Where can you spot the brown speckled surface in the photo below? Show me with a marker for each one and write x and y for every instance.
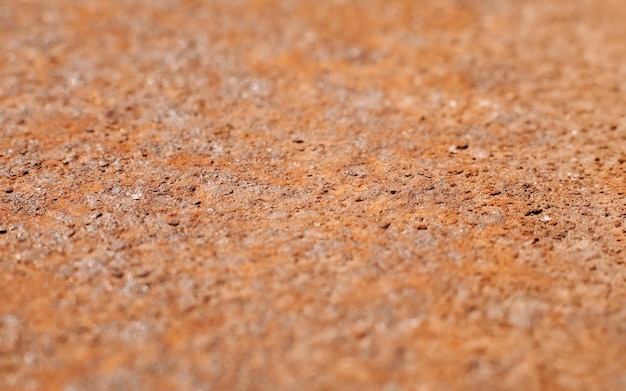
(373, 195)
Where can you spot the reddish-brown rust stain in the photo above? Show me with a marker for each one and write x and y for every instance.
(318, 195)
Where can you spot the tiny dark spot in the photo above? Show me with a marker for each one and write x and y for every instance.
(422, 227)
(393, 191)
(298, 141)
(3, 231)
(534, 212)
(385, 225)
(9, 191)
(189, 188)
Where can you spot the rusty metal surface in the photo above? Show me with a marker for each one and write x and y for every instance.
(384, 195)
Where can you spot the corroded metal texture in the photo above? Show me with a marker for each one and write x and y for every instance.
(373, 195)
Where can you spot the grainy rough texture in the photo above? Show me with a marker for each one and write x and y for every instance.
(374, 195)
